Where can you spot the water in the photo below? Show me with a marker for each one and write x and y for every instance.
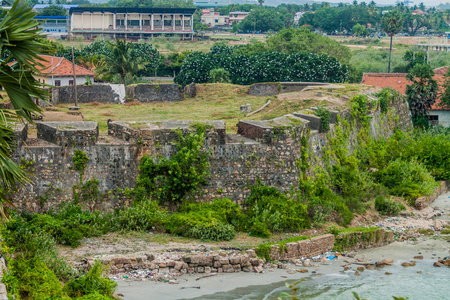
(432, 283)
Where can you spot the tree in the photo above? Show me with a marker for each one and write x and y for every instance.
(301, 39)
(359, 30)
(392, 24)
(19, 43)
(261, 2)
(53, 10)
(422, 93)
(414, 22)
(262, 19)
(123, 60)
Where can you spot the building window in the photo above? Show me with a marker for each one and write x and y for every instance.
(434, 120)
(57, 82)
(70, 82)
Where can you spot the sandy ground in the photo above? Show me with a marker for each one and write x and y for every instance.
(190, 287)
(430, 247)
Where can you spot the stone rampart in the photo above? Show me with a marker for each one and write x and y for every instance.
(275, 88)
(269, 150)
(155, 92)
(103, 93)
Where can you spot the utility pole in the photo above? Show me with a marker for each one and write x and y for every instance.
(74, 80)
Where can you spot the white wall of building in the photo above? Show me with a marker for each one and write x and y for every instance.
(443, 117)
(65, 80)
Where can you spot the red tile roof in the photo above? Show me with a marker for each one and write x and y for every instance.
(398, 81)
(59, 66)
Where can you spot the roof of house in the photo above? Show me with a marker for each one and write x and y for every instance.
(398, 81)
(59, 66)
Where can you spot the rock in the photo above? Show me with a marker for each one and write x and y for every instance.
(307, 263)
(258, 269)
(418, 257)
(360, 269)
(178, 265)
(357, 273)
(291, 271)
(346, 268)
(302, 270)
(387, 273)
(369, 267)
(173, 281)
(405, 264)
(420, 272)
(412, 263)
(246, 269)
(437, 264)
(387, 261)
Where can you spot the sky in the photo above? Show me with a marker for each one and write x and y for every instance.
(393, 2)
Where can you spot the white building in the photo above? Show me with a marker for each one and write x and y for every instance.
(132, 23)
(58, 71)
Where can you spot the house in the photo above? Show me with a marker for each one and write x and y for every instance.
(131, 23)
(298, 16)
(213, 19)
(58, 71)
(437, 116)
(237, 17)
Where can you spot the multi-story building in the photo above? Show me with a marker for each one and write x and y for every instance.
(237, 17)
(53, 26)
(213, 19)
(132, 23)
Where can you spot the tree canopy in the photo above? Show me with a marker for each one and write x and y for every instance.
(296, 40)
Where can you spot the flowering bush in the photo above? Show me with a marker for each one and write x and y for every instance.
(271, 66)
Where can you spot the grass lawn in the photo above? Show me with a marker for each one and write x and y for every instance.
(213, 102)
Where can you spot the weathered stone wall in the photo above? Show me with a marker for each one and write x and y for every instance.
(269, 152)
(264, 89)
(306, 248)
(363, 240)
(103, 93)
(155, 92)
(424, 201)
(275, 88)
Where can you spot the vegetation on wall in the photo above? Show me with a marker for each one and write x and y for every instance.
(178, 177)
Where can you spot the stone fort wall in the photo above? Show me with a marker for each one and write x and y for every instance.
(265, 149)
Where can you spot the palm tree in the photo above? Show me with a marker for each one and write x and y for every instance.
(19, 49)
(392, 24)
(261, 2)
(123, 60)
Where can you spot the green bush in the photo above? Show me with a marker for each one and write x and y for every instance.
(32, 279)
(142, 216)
(388, 207)
(91, 283)
(268, 66)
(175, 178)
(219, 75)
(207, 221)
(406, 179)
(279, 212)
(325, 115)
(260, 229)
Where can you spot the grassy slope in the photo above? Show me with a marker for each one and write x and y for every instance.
(213, 102)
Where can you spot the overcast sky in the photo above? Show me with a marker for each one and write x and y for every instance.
(393, 2)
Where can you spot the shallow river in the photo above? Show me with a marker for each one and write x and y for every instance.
(432, 283)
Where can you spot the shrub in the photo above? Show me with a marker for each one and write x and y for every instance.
(207, 221)
(141, 216)
(279, 212)
(388, 207)
(260, 229)
(175, 178)
(246, 69)
(407, 179)
(325, 115)
(32, 279)
(91, 283)
(219, 75)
